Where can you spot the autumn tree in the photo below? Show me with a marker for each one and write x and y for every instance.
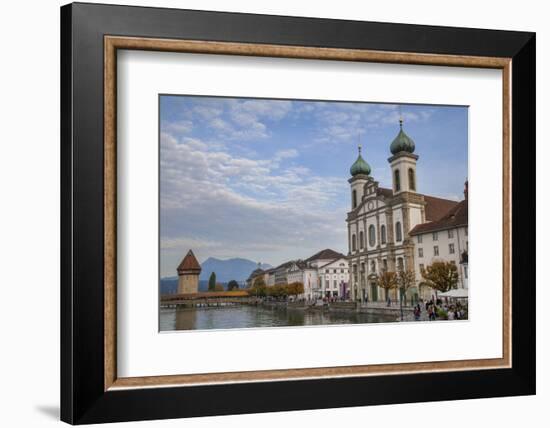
(440, 276)
(212, 282)
(259, 288)
(295, 288)
(218, 287)
(387, 280)
(232, 285)
(406, 279)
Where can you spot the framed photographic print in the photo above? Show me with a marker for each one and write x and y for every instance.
(281, 213)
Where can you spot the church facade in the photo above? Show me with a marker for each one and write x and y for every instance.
(385, 225)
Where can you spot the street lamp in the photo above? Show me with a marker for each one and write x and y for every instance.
(401, 289)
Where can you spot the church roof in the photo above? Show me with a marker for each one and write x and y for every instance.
(402, 143)
(360, 166)
(326, 254)
(189, 264)
(454, 217)
(437, 207)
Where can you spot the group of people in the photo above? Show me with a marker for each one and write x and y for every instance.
(437, 310)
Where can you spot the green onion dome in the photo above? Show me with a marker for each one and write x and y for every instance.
(402, 143)
(360, 166)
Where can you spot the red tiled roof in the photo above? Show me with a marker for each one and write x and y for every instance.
(437, 207)
(454, 217)
(189, 264)
(326, 254)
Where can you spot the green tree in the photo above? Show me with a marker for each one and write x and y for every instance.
(440, 276)
(212, 282)
(258, 288)
(232, 285)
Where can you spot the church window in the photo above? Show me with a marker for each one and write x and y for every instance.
(412, 184)
(372, 237)
(451, 248)
(400, 264)
(397, 180)
(436, 250)
(383, 234)
(435, 237)
(372, 266)
(419, 239)
(361, 240)
(385, 264)
(420, 252)
(354, 197)
(353, 243)
(450, 233)
(398, 232)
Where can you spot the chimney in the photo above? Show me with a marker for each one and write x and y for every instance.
(466, 190)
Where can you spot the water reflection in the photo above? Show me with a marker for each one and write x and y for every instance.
(258, 316)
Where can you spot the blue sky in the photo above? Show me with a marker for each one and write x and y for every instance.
(266, 180)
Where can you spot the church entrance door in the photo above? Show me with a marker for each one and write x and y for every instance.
(374, 292)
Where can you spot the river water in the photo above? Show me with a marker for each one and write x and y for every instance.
(244, 316)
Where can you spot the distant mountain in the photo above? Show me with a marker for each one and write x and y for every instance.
(226, 270)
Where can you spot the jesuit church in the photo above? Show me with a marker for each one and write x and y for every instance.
(400, 228)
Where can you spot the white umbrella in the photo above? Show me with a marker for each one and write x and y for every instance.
(459, 293)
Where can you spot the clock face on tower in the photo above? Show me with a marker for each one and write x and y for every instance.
(370, 205)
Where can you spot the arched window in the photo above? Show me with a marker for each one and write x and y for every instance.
(354, 198)
(412, 184)
(383, 234)
(361, 240)
(397, 180)
(372, 237)
(353, 242)
(398, 232)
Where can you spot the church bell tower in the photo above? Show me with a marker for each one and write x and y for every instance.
(403, 162)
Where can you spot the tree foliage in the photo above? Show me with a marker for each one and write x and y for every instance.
(406, 279)
(387, 280)
(232, 285)
(440, 276)
(218, 287)
(212, 282)
(258, 287)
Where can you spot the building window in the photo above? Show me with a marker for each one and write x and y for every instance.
(399, 264)
(385, 264)
(398, 233)
(354, 198)
(361, 240)
(450, 233)
(466, 272)
(421, 266)
(419, 239)
(451, 248)
(383, 234)
(372, 237)
(436, 250)
(397, 181)
(435, 237)
(372, 266)
(353, 243)
(412, 184)
(420, 252)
